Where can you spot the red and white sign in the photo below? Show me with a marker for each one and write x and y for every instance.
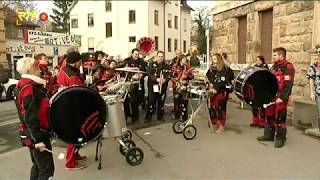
(51, 38)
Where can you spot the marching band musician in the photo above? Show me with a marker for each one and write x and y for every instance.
(176, 58)
(33, 106)
(136, 96)
(218, 77)
(258, 119)
(51, 84)
(107, 72)
(182, 74)
(69, 76)
(276, 114)
(158, 76)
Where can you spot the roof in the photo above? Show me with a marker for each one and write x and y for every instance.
(185, 5)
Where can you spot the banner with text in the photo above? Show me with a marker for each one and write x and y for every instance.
(51, 38)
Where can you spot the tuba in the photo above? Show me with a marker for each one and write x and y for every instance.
(146, 46)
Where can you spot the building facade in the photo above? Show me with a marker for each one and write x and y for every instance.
(245, 29)
(3, 62)
(116, 26)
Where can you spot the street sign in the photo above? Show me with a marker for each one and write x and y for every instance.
(55, 51)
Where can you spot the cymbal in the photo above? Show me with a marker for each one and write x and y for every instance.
(130, 69)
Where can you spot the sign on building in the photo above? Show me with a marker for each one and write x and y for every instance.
(51, 38)
(26, 48)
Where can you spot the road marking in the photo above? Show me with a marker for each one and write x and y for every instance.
(4, 123)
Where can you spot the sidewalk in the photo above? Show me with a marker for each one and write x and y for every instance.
(233, 155)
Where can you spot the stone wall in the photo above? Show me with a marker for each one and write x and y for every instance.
(292, 29)
(3, 62)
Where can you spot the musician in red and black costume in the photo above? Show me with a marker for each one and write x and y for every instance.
(69, 76)
(276, 114)
(181, 76)
(51, 84)
(33, 105)
(218, 76)
(258, 119)
(106, 73)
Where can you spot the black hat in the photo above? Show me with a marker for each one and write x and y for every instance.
(73, 57)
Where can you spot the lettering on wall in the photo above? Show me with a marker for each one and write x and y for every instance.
(20, 48)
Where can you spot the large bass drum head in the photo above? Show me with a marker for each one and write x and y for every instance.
(77, 114)
(260, 88)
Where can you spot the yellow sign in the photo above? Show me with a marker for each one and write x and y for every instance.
(25, 16)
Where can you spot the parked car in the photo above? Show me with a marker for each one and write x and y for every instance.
(7, 89)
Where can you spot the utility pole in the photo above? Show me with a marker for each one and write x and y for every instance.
(208, 53)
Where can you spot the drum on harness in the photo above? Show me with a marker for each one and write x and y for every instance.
(256, 86)
(77, 114)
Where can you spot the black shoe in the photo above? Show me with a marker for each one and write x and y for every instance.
(254, 125)
(147, 119)
(279, 143)
(264, 138)
(160, 118)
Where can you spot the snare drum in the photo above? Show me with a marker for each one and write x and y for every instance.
(116, 120)
(256, 86)
(77, 114)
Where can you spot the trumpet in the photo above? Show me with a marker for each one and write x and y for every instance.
(161, 79)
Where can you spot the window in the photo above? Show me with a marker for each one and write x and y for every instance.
(184, 24)
(132, 16)
(184, 46)
(242, 39)
(169, 44)
(156, 40)
(108, 5)
(156, 17)
(90, 20)
(175, 45)
(91, 44)
(20, 33)
(266, 18)
(176, 22)
(169, 20)
(132, 39)
(176, 3)
(74, 23)
(108, 30)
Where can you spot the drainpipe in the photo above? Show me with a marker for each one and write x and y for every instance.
(164, 29)
(180, 9)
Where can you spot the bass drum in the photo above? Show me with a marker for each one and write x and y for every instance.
(77, 114)
(256, 86)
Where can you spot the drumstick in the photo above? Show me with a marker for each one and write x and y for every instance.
(60, 155)
(267, 105)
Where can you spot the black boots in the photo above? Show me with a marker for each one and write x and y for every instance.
(268, 133)
(280, 137)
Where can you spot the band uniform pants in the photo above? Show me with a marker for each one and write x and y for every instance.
(180, 100)
(158, 100)
(42, 164)
(218, 108)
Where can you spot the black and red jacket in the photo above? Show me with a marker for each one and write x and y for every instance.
(33, 107)
(179, 71)
(284, 71)
(219, 79)
(69, 76)
(51, 81)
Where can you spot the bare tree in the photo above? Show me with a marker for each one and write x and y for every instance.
(201, 19)
(24, 5)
